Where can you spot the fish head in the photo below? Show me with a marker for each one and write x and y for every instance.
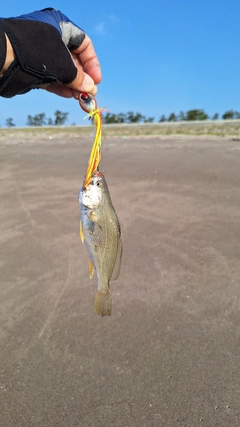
(92, 194)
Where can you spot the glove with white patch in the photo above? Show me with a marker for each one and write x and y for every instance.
(42, 42)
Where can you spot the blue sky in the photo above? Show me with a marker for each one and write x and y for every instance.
(157, 57)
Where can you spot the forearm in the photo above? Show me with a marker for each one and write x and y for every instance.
(9, 55)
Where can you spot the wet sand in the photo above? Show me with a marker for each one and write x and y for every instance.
(170, 353)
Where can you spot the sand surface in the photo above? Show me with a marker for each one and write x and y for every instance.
(170, 353)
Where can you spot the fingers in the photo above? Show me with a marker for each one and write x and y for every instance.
(89, 60)
(89, 71)
(59, 89)
(66, 92)
(83, 81)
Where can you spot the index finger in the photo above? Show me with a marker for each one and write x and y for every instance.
(89, 60)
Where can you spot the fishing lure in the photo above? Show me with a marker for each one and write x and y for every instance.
(89, 104)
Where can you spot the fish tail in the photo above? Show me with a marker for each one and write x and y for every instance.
(103, 303)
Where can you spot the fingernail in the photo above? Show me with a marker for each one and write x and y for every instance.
(87, 84)
(94, 90)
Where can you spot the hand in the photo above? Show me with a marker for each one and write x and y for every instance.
(60, 57)
(88, 73)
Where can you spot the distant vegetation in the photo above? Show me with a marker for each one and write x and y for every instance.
(187, 116)
(41, 120)
(61, 118)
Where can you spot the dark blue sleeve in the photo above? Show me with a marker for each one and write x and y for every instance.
(48, 16)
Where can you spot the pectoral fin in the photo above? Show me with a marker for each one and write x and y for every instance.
(91, 269)
(81, 232)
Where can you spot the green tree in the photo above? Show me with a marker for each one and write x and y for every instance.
(60, 118)
(121, 118)
(162, 119)
(172, 117)
(215, 116)
(38, 120)
(149, 120)
(228, 115)
(10, 123)
(181, 116)
(114, 118)
(109, 118)
(196, 115)
(134, 117)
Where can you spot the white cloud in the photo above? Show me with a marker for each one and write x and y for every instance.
(109, 25)
(114, 19)
(117, 21)
(100, 29)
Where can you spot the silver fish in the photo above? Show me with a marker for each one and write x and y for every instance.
(100, 230)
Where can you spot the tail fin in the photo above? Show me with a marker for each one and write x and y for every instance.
(103, 303)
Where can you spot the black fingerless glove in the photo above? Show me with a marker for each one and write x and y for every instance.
(42, 42)
(3, 47)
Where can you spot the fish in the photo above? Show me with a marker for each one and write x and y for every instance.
(101, 232)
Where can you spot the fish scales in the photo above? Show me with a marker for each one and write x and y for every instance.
(100, 230)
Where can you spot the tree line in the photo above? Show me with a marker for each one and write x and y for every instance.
(60, 118)
(190, 115)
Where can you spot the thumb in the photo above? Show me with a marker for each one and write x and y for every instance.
(83, 83)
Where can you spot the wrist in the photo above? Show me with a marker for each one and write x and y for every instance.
(8, 52)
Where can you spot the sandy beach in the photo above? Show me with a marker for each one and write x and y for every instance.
(170, 353)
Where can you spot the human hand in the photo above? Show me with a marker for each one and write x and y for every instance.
(42, 42)
(88, 73)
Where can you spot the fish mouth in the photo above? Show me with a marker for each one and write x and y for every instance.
(87, 180)
(89, 177)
